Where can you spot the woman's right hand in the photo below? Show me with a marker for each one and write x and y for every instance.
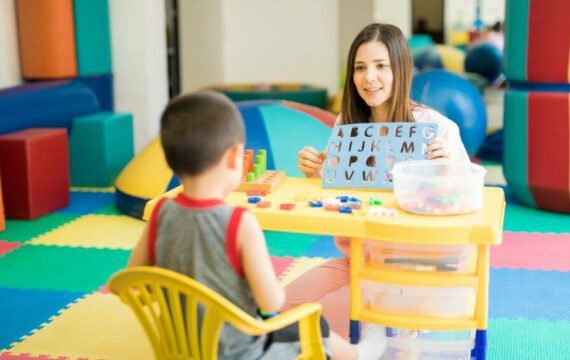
(310, 161)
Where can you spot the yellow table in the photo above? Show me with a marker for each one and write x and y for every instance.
(482, 228)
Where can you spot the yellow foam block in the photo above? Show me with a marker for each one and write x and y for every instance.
(97, 327)
(98, 231)
(298, 267)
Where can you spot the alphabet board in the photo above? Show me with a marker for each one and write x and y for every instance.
(362, 155)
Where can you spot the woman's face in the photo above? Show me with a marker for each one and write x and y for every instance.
(373, 76)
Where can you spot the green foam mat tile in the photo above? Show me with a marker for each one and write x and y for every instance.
(288, 244)
(24, 230)
(527, 219)
(517, 339)
(59, 268)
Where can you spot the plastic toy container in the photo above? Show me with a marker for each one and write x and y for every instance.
(423, 258)
(440, 302)
(438, 187)
(432, 345)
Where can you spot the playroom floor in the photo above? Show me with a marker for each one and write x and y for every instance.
(54, 305)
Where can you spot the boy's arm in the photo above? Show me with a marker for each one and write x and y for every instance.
(139, 256)
(268, 293)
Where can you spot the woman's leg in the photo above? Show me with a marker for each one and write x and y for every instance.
(318, 282)
(336, 309)
(328, 285)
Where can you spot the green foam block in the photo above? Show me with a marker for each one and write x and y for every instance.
(100, 146)
(92, 36)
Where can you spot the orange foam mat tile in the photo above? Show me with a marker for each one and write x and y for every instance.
(97, 327)
(298, 267)
(97, 231)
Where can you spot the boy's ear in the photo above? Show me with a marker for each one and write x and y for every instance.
(235, 155)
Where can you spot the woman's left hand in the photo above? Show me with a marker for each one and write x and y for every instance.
(437, 149)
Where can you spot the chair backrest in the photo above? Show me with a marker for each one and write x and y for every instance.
(166, 304)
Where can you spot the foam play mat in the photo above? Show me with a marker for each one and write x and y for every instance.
(53, 272)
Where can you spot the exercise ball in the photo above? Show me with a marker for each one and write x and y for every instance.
(486, 60)
(456, 98)
(439, 57)
(427, 58)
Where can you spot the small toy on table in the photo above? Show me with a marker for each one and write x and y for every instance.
(256, 176)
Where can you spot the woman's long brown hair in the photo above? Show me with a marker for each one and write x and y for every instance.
(354, 108)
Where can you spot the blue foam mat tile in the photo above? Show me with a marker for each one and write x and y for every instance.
(529, 294)
(323, 246)
(22, 311)
(86, 202)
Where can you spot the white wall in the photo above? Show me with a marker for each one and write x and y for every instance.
(281, 41)
(354, 16)
(259, 41)
(398, 13)
(201, 43)
(138, 37)
(9, 58)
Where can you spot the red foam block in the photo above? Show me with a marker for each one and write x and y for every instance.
(35, 172)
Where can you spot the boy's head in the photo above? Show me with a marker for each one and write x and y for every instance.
(197, 130)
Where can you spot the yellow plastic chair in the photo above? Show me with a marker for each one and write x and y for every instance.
(155, 294)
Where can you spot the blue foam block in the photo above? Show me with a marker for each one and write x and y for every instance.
(47, 104)
(102, 87)
(22, 311)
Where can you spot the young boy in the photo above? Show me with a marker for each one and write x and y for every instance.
(217, 244)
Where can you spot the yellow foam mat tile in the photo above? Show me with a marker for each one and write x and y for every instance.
(495, 175)
(298, 267)
(97, 327)
(98, 231)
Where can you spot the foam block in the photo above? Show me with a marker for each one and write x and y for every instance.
(100, 145)
(46, 36)
(93, 47)
(45, 104)
(2, 215)
(102, 86)
(35, 168)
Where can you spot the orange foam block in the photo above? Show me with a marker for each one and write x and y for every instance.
(46, 35)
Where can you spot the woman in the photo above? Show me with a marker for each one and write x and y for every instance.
(379, 74)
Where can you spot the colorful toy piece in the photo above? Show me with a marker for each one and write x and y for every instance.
(256, 176)
(382, 211)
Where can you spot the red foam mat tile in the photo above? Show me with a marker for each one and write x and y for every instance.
(532, 251)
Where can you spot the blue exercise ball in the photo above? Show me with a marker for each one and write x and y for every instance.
(486, 60)
(456, 98)
(427, 58)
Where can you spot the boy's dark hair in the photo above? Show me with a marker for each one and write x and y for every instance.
(196, 129)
